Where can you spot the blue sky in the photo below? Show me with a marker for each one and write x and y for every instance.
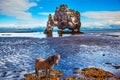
(33, 13)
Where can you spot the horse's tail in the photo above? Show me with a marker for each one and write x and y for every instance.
(36, 71)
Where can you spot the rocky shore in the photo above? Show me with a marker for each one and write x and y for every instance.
(84, 74)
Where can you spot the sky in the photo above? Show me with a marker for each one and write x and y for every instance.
(34, 13)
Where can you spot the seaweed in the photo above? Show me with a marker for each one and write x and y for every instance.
(88, 74)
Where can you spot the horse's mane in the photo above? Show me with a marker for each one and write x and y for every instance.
(50, 59)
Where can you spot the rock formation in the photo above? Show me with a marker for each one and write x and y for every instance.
(64, 18)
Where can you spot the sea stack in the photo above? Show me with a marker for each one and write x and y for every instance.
(64, 18)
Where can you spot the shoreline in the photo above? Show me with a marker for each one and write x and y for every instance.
(55, 34)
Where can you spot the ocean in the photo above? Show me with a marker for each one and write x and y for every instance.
(55, 34)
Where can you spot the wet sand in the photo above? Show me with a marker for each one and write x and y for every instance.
(18, 54)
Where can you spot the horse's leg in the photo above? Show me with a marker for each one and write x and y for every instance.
(36, 71)
(43, 71)
(46, 72)
(50, 70)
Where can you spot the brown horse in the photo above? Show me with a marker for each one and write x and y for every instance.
(46, 64)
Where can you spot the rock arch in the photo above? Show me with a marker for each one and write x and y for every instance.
(64, 18)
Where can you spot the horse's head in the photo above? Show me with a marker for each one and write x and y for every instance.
(56, 58)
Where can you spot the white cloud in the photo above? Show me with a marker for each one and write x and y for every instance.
(17, 8)
(100, 19)
(114, 15)
(46, 13)
(23, 25)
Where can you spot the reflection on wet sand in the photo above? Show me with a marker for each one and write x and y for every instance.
(50, 34)
(79, 51)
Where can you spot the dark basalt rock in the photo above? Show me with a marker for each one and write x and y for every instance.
(116, 67)
(64, 18)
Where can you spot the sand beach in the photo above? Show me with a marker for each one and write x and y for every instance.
(77, 51)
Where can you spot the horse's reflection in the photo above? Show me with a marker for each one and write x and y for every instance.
(50, 34)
